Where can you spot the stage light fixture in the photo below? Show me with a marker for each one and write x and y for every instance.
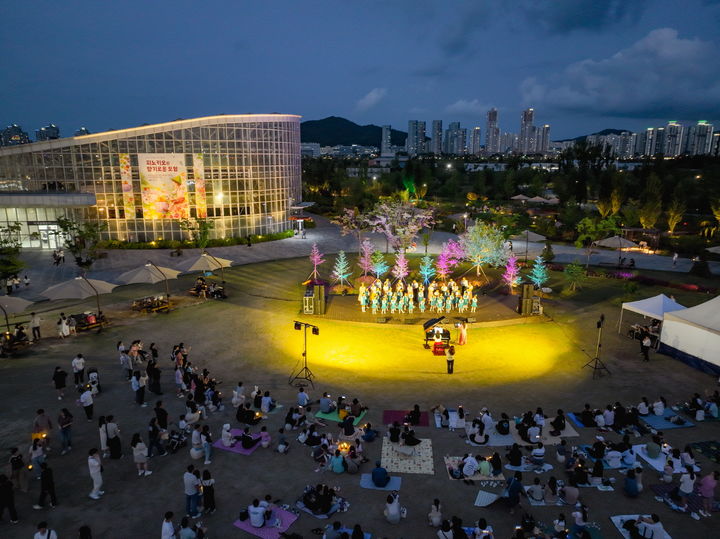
(298, 326)
(316, 331)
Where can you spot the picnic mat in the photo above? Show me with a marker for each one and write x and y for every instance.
(685, 410)
(485, 498)
(709, 449)
(454, 462)
(237, 448)
(300, 505)
(333, 416)
(575, 418)
(606, 465)
(619, 520)
(545, 437)
(694, 501)
(530, 468)
(657, 463)
(663, 422)
(399, 415)
(366, 482)
(286, 519)
(421, 462)
(541, 502)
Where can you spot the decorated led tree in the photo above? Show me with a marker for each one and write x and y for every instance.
(483, 245)
(400, 269)
(539, 274)
(512, 273)
(427, 269)
(400, 222)
(450, 256)
(341, 271)
(365, 262)
(379, 266)
(316, 258)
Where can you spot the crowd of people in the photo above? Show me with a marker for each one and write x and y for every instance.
(437, 297)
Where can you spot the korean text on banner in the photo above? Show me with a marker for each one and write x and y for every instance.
(163, 181)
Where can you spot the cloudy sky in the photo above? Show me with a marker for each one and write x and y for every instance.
(584, 65)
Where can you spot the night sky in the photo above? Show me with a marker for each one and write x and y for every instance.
(584, 65)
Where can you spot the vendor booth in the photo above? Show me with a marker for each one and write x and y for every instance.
(654, 307)
(693, 336)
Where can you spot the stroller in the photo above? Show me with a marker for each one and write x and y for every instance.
(94, 381)
(176, 441)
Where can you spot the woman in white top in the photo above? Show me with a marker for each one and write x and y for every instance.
(687, 485)
(228, 440)
(581, 520)
(435, 514)
(103, 436)
(539, 418)
(445, 531)
(37, 455)
(140, 455)
(686, 457)
(659, 406)
(392, 508)
(643, 407)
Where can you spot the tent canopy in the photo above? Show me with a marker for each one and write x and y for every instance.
(519, 197)
(655, 307)
(693, 336)
(705, 316)
(539, 199)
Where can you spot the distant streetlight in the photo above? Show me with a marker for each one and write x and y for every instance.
(448, 166)
(465, 216)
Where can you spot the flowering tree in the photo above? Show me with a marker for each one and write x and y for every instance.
(365, 262)
(400, 222)
(539, 274)
(400, 269)
(483, 245)
(512, 273)
(316, 258)
(341, 271)
(450, 256)
(379, 265)
(427, 270)
(353, 222)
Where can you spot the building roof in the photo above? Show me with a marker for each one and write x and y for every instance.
(145, 130)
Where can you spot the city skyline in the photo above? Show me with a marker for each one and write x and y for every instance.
(610, 64)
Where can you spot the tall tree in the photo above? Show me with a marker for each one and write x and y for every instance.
(10, 263)
(316, 258)
(81, 239)
(574, 276)
(427, 270)
(591, 230)
(483, 245)
(353, 222)
(365, 261)
(379, 264)
(341, 271)
(512, 273)
(400, 269)
(616, 200)
(651, 207)
(539, 274)
(674, 214)
(199, 230)
(400, 222)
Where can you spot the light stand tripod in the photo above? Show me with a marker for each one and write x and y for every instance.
(596, 363)
(304, 373)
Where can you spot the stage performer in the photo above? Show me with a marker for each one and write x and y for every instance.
(462, 334)
(450, 358)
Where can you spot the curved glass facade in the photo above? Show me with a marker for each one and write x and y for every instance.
(240, 171)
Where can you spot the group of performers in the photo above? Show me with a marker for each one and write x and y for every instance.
(439, 297)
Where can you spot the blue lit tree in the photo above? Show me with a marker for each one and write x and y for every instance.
(427, 268)
(379, 265)
(341, 271)
(539, 274)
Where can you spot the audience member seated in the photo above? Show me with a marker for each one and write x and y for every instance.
(503, 426)
(246, 415)
(256, 512)
(413, 416)
(537, 455)
(246, 439)
(408, 437)
(227, 438)
(536, 491)
(327, 406)
(631, 487)
(514, 456)
(347, 426)
(558, 424)
(356, 408)
(587, 417)
(380, 477)
(598, 471)
(368, 433)
(643, 407)
(394, 432)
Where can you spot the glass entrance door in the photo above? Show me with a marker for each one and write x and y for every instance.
(49, 239)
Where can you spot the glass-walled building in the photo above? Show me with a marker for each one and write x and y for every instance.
(240, 171)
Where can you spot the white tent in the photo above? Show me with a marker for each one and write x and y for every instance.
(654, 307)
(694, 334)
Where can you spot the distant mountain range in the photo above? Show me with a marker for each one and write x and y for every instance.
(334, 131)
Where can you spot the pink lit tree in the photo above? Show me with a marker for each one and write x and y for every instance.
(451, 255)
(400, 269)
(316, 258)
(365, 262)
(512, 273)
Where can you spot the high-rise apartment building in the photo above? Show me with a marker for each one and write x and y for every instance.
(700, 138)
(415, 143)
(651, 141)
(386, 141)
(509, 143)
(13, 135)
(455, 139)
(492, 132)
(436, 145)
(475, 141)
(527, 131)
(542, 144)
(49, 132)
(81, 132)
(674, 138)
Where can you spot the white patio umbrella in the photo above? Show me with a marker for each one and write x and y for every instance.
(519, 197)
(527, 236)
(204, 262)
(617, 242)
(553, 200)
(10, 304)
(715, 250)
(79, 288)
(541, 200)
(149, 273)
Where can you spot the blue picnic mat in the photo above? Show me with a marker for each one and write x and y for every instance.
(663, 423)
(366, 482)
(575, 418)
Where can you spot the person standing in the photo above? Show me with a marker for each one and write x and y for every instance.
(450, 358)
(35, 326)
(42, 427)
(65, 420)
(138, 386)
(154, 438)
(192, 492)
(112, 430)
(37, 455)
(168, 529)
(462, 334)
(78, 368)
(161, 415)
(59, 380)
(674, 259)
(206, 440)
(47, 487)
(7, 499)
(95, 468)
(140, 455)
(43, 532)
(645, 347)
(18, 470)
(208, 488)
(86, 400)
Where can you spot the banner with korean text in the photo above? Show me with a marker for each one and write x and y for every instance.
(163, 181)
(200, 195)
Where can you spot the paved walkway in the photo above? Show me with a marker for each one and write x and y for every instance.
(43, 273)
